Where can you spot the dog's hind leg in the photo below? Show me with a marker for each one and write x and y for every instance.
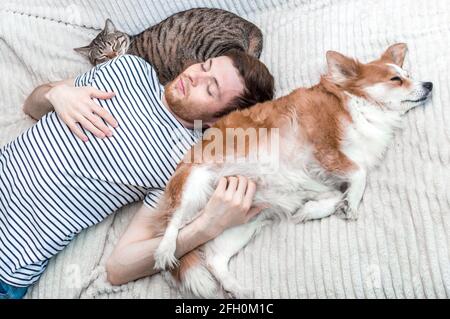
(194, 186)
(219, 251)
(193, 277)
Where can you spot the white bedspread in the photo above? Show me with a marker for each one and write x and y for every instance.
(398, 248)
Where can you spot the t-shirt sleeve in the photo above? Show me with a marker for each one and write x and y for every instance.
(128, 67)
(153, 197)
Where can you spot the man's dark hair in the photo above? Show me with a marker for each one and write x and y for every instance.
(258, 82)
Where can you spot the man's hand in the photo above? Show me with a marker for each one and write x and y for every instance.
(230, 205)
(75, 105)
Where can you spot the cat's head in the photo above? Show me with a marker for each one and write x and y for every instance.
(108, 44)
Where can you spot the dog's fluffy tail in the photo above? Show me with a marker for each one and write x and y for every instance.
(194, 278)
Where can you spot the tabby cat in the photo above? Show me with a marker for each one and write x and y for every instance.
(183, 39)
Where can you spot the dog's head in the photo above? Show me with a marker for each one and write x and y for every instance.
(382, 81)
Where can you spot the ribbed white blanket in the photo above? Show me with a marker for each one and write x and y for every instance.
(398, 248)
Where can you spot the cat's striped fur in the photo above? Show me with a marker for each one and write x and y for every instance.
(182, 39)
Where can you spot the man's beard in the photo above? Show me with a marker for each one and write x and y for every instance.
(181, 107)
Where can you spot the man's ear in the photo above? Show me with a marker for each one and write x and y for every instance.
(341, 68)
(395, 54)
(85, 51)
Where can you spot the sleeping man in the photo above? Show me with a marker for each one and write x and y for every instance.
(108, 138)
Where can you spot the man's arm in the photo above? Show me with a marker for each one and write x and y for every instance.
(133, 257)
(37, 103)
(73, 105)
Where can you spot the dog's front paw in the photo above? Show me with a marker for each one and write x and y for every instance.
(300, 215)
(299, 218)
(345, 210)
(165, 256)
(342, 208)
(351, 214)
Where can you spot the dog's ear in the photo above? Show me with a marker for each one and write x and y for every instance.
(395, 54)
(341, 68)
(84, 51)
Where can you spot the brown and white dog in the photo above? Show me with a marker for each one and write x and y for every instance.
(331, 134)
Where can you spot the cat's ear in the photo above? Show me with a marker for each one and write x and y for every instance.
(85, 51)
(109, 27)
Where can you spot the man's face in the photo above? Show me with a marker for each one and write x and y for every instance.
(204, 89)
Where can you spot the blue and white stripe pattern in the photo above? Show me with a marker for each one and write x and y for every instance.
(53, 185)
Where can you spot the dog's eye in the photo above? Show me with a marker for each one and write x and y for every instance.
(397, 79)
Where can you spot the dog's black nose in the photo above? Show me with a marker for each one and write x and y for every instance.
(428, 86)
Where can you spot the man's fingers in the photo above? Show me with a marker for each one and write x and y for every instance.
(102, 95)
(250, 192)
(104, 114)
(254, 211)
(98, 123)
(232, 185)
(241, 188)
(221, 186)
(75, 130)
(87, 125)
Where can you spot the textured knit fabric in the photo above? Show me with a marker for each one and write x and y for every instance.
(399, 246)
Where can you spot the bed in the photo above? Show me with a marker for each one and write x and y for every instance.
(398, 248)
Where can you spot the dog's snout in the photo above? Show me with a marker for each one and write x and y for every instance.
(428, 86)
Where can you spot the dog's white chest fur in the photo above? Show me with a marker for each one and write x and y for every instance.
(367, 137)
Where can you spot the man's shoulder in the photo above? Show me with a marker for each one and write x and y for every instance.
(131, 63)
(130, 66)
(130, 58)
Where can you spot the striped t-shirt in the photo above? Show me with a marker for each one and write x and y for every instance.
(53, 185)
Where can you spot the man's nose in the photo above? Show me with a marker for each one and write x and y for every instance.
(197, 79)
